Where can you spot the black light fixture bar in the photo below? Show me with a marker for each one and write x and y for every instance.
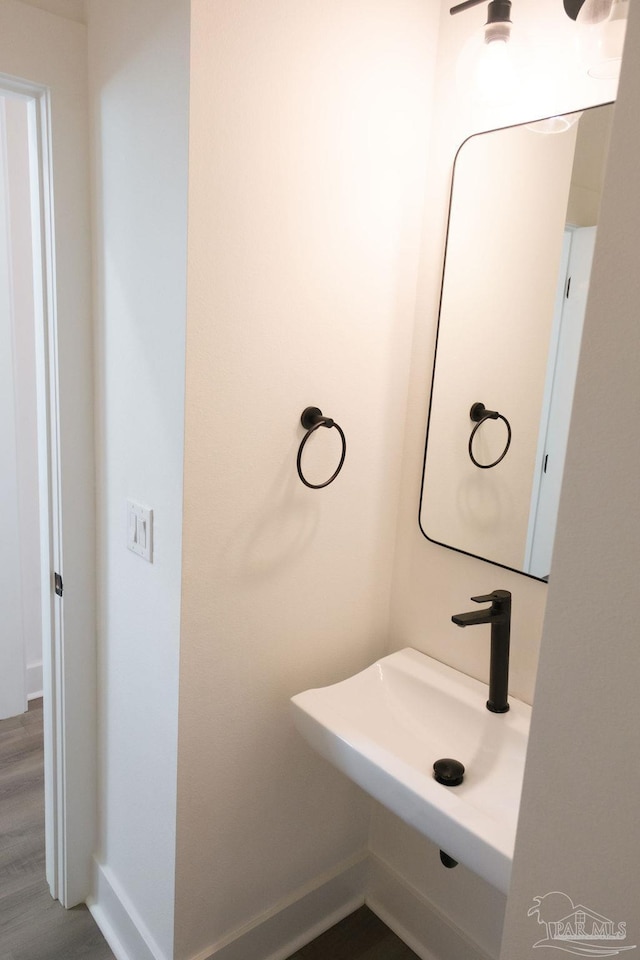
(573, 7)
(499, 10)
(466, 5)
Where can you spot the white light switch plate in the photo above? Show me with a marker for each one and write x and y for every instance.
(140, 530)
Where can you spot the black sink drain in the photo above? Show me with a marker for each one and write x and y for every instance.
(448, 772)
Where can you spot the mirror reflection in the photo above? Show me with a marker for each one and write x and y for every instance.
(522, 226)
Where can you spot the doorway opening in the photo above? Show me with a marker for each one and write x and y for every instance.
(30, 454)
(21, 634)
(41, 343)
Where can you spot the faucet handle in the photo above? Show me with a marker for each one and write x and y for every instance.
(498, 596)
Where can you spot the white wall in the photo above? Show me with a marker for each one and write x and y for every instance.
(71, 9)
(12, 681)
(430, 582)
(138, 54)
(308, 151)
(20, 542)
(580, 836)
(21, 265)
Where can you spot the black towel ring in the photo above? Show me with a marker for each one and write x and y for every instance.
(311, 420)
(479, 414)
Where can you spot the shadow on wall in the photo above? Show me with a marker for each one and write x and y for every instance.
(285, 517)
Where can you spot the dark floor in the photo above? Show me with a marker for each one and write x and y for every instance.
(32, 925)
(361, 936)
(35, 927)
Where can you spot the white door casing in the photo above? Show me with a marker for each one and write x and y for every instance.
(575, 275)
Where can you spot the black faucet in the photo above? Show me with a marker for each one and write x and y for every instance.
(499, 616)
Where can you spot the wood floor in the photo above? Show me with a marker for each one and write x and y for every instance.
(32, 925)
(360, 936)
(35, 927)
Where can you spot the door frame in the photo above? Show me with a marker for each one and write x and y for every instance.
(554, 339)
(566, 338)
(66, 490)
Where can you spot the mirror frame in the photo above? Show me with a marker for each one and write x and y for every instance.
(510, 126)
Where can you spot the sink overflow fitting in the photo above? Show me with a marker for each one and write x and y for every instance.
(447, 861)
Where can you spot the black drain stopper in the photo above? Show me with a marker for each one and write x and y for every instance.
(449, 772)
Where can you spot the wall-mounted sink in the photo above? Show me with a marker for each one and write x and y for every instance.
(386, 726)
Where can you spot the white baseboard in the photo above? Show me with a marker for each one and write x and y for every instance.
(274, 935)
(34, 680)
(294, 923)
(290, 925)
(119, 921)
(415, 919)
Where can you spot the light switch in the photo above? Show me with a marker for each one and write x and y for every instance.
(140, 530)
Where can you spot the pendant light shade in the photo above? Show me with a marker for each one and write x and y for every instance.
(602, 25)
(487, 63)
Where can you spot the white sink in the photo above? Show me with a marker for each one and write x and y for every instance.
(386, 726)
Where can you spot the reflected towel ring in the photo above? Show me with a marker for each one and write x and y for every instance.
(311, 420)
(479, 414)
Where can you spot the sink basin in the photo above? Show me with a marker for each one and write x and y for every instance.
(386, 726)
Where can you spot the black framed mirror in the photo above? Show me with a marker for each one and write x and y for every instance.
(520, 238)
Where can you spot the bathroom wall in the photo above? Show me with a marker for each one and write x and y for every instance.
(139, 70)
(309, 128)
(71, 9)
(430, 582)
(580, 837)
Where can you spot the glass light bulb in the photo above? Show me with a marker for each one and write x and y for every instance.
(495, 72)
(594, 11)
(602, 25)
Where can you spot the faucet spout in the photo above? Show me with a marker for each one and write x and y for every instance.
(499, 616)
(473, 617)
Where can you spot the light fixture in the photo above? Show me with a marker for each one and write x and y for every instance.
(494, 73)
(602, 26)
(558, 124)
